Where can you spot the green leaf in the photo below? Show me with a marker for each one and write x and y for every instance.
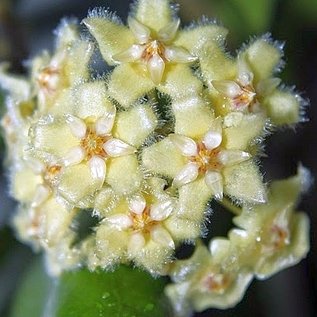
(126, 292)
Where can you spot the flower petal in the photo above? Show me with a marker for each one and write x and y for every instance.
(74, 156)
(97, 167)
(283, 107)
(215, 183)
(180, 83)
(227, 88)
(162, 236)
(185, 110)
(78, 72)
(104, 124)
(123, 174)
(47, 134)
(245, 75)
(263, 56)
(231, 157)
(134, 125)
(244, 182)
(267, 86)
(155, 14)
(163, 158)
(186, 145)
(111, 245)
(168, 32)
(77, 186)
(132, 54)
(156, 66)
(119, 221)
(19, 178)
(139, 30)
(212, 139)
(160, 211)
(188, 174)
(242, 129)
(42, 192)
(176, 54)
(77, 126)
(137, 204)
(111, 36)
(115, 147)
(136, 243)
(91, 100)
(121, 78)
(194, 38)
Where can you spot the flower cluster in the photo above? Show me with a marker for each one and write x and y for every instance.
(120, 168)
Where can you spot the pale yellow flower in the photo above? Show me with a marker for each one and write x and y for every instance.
(217, 156)
(93, 143)
(274, 236)
(152, 51)
(211, 278)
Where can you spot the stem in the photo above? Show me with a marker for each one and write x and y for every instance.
(230, 206)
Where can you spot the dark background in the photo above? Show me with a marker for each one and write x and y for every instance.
(26, 28)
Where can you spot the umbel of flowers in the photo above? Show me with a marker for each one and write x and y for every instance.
(135, 156)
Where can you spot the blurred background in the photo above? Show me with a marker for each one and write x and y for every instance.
(26, 28)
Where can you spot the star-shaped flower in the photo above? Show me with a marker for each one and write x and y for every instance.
(243, 93)
(152, 51)
(140, 227)
(248, 83)
(274, 236)
(211, 278)
(41, 220)
(214, 162)
(52, 75)
(93, 143)
(96, 143)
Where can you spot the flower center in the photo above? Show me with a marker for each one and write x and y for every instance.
(206, 159)
(246, 98)
(153, 48)
(51, 173)
(48, 78)
(279, 237)
(142, 222)
(93, 143)
(216, 282)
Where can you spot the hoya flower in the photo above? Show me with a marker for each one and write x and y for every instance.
(242, 93)
(154, 50)
(274, 236)
(20, 106)
(139, 228)
(249, 84)
(53, 74)
(150, 49)
(217, 156)
(93, 143)
(211, 278)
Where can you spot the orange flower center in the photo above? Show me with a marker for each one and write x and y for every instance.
(279, 237)
(45, 78)
(247, 98)
(216, 282)
(206, 159)
(93, 143)
(51, 173)
(153, 48)
(142, 222)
